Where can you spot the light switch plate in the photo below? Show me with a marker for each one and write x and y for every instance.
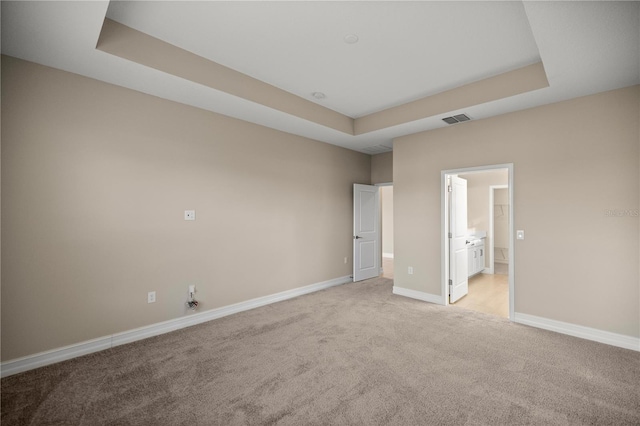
(520, 234)
(189, 215)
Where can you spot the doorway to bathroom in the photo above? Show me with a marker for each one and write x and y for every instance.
(477, 259)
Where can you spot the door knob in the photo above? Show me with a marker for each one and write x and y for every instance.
(357, 237)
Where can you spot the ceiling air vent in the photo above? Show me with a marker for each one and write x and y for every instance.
(456, 119)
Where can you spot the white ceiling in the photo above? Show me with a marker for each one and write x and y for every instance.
(406, 50)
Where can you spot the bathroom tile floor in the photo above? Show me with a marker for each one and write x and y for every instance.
(387, 267)
(487, 293)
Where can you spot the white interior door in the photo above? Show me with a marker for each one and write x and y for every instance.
(366, 232)
(458, 254)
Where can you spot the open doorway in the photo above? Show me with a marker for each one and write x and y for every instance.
(471, 246)
(386, 209)
(372, 231)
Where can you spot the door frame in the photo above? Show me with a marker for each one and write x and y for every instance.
(444, 226)
(492, 247)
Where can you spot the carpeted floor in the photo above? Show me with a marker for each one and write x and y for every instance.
(352, 354)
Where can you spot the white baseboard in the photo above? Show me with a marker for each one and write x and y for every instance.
(388, 255)
(30, 362)
(419, 295)
(614, 339)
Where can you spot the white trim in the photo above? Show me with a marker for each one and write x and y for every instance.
(607, 337)
(419, 295)
(512, 248)
(388, 255)
(41, 359)
(444, 239)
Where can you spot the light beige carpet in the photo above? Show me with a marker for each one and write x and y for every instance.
(352, 354)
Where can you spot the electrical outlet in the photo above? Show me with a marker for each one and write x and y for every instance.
(192, 303)
(410, 270)
(189, 215)
(346, 259)
(151, 297)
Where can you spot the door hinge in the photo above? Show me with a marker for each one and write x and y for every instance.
(450, 235)
(449, 188)
(450, 286)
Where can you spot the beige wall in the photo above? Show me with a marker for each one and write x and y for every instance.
(573, 161)
(95, 181)
(478, 199)
(386, 198)
(382, 168)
